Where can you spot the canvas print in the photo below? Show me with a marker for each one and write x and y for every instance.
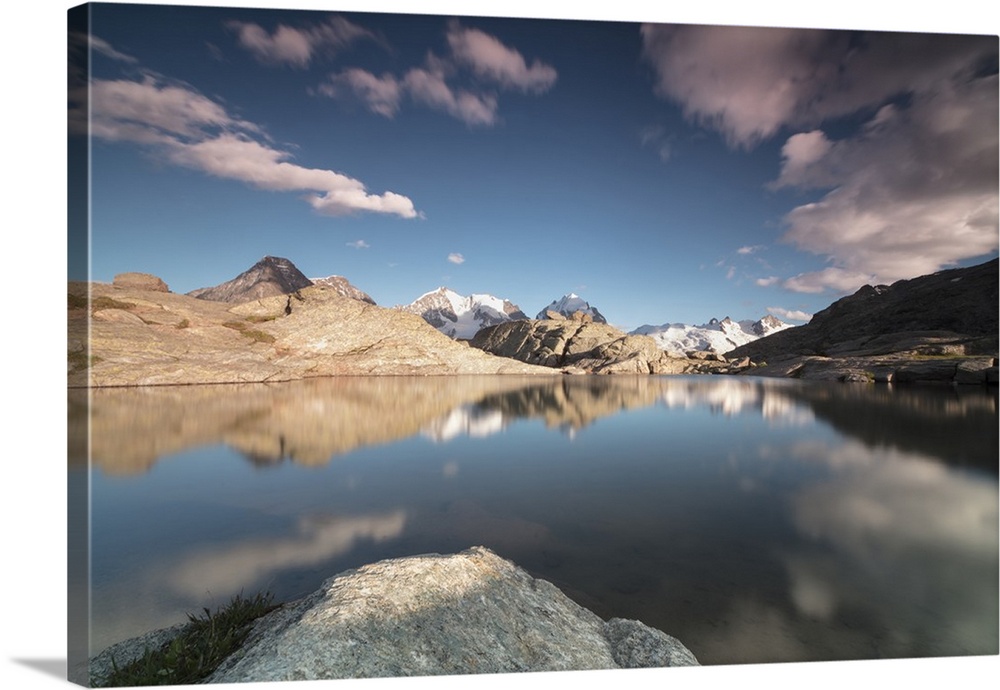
(411, 345)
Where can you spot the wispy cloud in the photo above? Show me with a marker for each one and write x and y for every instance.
(381, 95)
(767, 282)
(456, 258)
(656, 138)
(358, 244)
(494, 64)
(789, 314)
(430, 88)
(491, 59)
(105, 48)
(297, 46)
(831, 278)
(176, 124)
(747, 250)
(911, 192)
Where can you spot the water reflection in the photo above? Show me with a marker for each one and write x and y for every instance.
(757, 520)
(310, 422)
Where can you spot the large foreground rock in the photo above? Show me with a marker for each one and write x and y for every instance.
(580, 345)
(471, 612)
(142, 337)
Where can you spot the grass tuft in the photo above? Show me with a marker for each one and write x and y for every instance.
(192, 656)
(252, 333)
(104, 302)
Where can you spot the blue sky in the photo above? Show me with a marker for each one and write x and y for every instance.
(664, 172)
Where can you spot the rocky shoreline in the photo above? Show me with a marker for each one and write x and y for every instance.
(470, 612)
(940, 328)
(123, 335)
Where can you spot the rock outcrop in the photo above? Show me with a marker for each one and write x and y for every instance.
(141, 281)
(344, 287)
(941, 327)
(471, 612)
(579, 345)
(140, 337)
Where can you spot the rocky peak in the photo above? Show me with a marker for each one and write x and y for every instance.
(344, 287)
(767, 325)
(459, 316)
(570, 304)
(270, 276)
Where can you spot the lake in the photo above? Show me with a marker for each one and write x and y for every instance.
(757, 520)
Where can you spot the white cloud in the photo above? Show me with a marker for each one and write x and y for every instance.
(432, 84)
(767, 282)
(749, 249)
(381, 94)
(104, 48)
(748, 82)
(491, 59)
(832, 278)
(789, 314)
(456, 258)
(430, 88)
(150, 111)
(912, 191)
(190, 130)
(358, 244)
(799, 157)
(297, 46)
(743, 82)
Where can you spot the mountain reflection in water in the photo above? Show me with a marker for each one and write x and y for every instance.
(756, 520)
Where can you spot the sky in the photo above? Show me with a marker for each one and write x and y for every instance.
(664, 172)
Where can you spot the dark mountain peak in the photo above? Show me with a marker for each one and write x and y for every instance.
(272, 275)
(961, 302)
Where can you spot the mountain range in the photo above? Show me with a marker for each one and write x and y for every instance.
(714, 336)
(273, 275)
(461, 317)
(938, 328)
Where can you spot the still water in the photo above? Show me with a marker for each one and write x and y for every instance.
(756, 520)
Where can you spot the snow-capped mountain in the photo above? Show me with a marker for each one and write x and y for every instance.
(569, 305)
(715, 336)
(344, 287)
(461, 317)
(467, 420)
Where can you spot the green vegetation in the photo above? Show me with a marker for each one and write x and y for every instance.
(260, 319)
(199, 649)
(78, 360)
(252, 333)
(104, 302)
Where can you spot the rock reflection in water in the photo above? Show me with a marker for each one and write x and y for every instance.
(310, 422)
(756, 520)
